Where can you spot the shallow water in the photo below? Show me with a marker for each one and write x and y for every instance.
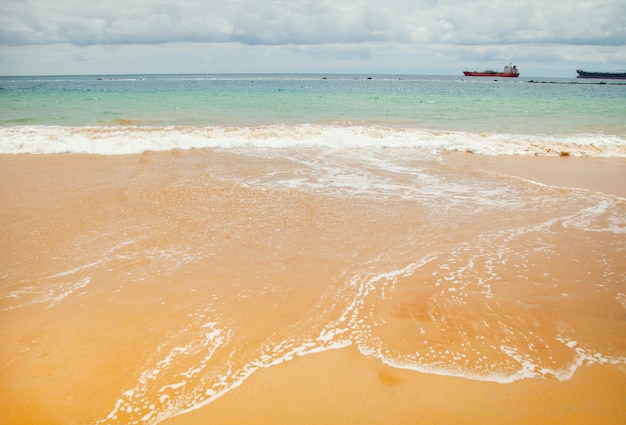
(563, 107)
(164, 280)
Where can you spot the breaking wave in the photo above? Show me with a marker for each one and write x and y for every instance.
(121, 140)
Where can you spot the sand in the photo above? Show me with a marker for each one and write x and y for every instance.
(343, 387)
(604, 175)
(67, 360)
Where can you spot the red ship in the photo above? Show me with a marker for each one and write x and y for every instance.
(510, 71)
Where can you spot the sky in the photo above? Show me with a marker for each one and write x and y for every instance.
(444, 37)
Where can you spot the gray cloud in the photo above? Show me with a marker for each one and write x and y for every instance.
(276, 22)
(324, 30)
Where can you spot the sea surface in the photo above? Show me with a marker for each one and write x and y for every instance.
(123, 113)
(202, 227)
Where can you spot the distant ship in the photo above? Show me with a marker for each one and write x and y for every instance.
(510, 71)
(608, 75)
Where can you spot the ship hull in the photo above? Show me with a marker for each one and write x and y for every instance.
(605, 75)
(490, 74)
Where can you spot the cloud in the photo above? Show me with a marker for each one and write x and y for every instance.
(257, 22)
(278, 22)
(358, 31)
(596, 22)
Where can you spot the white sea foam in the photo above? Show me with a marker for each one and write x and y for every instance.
(50, 294)
(119, 140)
(527, 368)
(589, 219)
(137, 404)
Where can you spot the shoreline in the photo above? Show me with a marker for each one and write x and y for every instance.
(105, 256)
(342, 386)
(606, 175)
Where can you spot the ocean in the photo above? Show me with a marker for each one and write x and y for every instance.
(167, 237)
(430, 113)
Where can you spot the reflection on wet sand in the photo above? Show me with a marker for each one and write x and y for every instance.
(176, 286)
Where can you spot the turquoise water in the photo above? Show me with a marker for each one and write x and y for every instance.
(584, 113)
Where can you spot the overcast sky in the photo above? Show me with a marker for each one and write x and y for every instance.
(542, 37)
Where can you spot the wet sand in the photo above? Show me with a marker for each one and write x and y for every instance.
(78, 332)
(342, 386)
(604, 175)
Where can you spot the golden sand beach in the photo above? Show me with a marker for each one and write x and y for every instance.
(342, 386)
(171, 288)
